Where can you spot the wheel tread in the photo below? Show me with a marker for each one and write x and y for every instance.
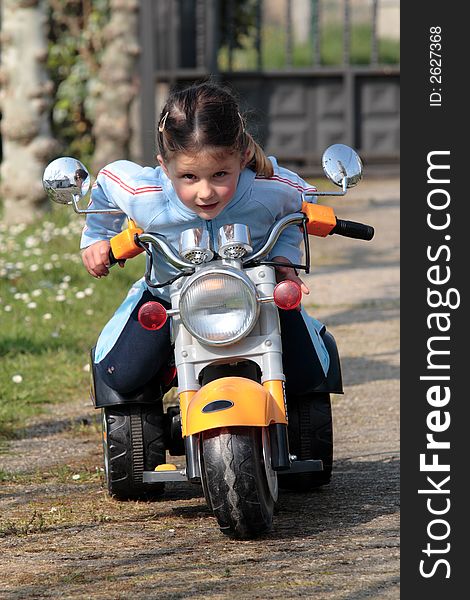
(129, 435)
(236, 481)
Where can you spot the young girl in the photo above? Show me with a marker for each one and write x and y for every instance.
(211, 172)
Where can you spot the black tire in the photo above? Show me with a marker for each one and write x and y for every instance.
(310, 432)
(235, 481)
(133, 442)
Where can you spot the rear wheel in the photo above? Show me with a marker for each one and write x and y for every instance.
(237, 481)
(133, 442)
(310, 437)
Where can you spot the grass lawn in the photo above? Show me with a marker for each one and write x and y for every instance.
(51, 312)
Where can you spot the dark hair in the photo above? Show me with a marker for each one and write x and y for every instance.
(207, 115)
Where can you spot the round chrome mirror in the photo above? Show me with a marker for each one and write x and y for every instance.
(342, 165)
(65, 177)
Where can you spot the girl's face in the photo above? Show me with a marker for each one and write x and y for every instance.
(205, 183)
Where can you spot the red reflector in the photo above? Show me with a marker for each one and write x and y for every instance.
(287, 294)
(152, 315)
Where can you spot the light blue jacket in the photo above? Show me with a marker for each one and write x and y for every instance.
(146, 195)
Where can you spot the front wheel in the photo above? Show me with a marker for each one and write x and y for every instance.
(133, 441)
(238, 480)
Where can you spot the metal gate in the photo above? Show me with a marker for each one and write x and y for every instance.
(295, 112)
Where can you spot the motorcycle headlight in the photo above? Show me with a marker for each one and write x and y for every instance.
(219, 307)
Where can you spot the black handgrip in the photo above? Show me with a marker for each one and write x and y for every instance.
(112, 259)
(352, 229)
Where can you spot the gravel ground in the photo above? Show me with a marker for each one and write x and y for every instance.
(62, 537)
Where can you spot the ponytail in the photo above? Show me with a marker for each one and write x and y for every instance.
(258, 162)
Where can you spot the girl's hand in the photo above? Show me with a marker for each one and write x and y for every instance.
(96, 258)
(289, 273)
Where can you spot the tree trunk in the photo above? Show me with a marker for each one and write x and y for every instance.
(117, 84)
(25, 103)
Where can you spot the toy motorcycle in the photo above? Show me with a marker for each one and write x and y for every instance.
(242, 438)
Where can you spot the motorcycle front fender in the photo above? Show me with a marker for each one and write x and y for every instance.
(232, 402)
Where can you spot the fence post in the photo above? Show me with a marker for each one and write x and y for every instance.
(212, 37)
(315, 32)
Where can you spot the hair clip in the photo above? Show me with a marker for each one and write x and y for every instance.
(242, 122)
(161, 127)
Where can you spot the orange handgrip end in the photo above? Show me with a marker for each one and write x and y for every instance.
(321, 219)
(123, 244)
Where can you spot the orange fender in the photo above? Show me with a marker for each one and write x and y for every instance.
(231, 402)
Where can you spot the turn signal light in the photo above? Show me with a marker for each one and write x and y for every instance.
(287, 294)
(152, 315)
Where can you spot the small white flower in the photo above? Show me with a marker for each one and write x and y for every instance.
(47, 316)
(34, 267)
(64, 285)
(54, 257)
(36, 293)
(19, 265)
(66, 278)
(88, 291)
(32, 305)
(7, 308)
(17, 378)
(80, 295)
(55, 334)
(54, 509)
(60, 298)
(76, 476)
(48, 266)
(17, 296)
(30, 242)
(89, 312)
(86, 368)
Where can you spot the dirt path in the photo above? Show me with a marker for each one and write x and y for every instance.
(62, 537)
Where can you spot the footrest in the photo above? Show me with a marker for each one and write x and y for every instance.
(304, 466)
(161, 476)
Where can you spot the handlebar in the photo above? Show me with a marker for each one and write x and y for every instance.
(351, 229)
(346, 228)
